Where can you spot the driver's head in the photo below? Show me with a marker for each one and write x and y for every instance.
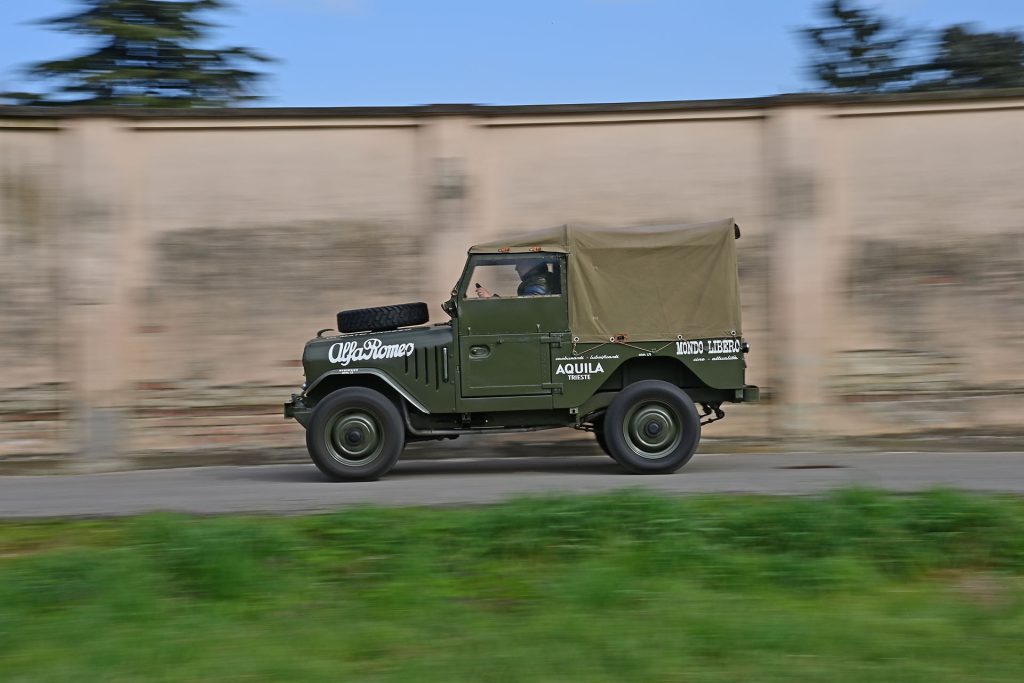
(525, 265)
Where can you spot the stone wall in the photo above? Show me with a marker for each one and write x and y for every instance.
(159, 272)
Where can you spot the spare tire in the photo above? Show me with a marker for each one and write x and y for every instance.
(382, 318)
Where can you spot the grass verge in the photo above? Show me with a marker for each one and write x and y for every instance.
(860, 585)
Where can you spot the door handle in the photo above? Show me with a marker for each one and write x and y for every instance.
(479, 351)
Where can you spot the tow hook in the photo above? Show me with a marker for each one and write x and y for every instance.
(290, 406)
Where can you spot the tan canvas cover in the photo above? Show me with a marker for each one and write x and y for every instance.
(647, 282)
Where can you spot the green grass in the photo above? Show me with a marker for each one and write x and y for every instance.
(858, 586)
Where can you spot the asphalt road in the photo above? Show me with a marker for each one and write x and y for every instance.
(301, 488)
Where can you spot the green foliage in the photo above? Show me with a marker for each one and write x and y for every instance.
(215, 558)
(854, 586)
(145, 53)
(965, 58)
(857, 50)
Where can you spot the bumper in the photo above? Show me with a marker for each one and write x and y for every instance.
(751, 394)
(298, 410)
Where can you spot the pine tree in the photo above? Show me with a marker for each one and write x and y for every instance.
(146, 53)
(968, 59)
(857, 51)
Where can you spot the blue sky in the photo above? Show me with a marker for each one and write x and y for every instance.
(392, 52)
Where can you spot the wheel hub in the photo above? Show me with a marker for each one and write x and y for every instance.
(652, 430)
(354, 437)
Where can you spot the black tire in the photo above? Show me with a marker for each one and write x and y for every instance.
(383, 318)
(652, 427)
(599, 435)
(355, 434)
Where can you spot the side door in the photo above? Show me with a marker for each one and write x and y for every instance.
(505, 339)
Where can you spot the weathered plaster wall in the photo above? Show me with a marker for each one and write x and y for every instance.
(159, 273)
(930, 330)
(32, 419)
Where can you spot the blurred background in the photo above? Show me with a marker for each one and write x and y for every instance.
(189, 190)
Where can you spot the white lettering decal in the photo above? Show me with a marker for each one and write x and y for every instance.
(713, 346)
(689, 348)
(576, 371)
(344, 353)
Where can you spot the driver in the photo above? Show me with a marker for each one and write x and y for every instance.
(536, 279)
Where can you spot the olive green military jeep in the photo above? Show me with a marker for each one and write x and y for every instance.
(620, 332)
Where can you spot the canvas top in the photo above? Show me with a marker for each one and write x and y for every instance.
(648, 283)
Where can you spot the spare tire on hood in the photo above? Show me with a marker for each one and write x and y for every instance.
(383, 318)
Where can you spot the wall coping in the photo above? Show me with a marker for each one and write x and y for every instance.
(483, 110)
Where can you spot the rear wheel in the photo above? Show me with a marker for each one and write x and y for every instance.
(355, 434)
(652, 427)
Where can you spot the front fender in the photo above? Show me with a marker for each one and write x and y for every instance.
(373, 372)
(417, 364)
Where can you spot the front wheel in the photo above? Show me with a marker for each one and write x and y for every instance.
(355, 434)
(652, 427)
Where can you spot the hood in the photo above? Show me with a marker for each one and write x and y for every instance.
(393, 349)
